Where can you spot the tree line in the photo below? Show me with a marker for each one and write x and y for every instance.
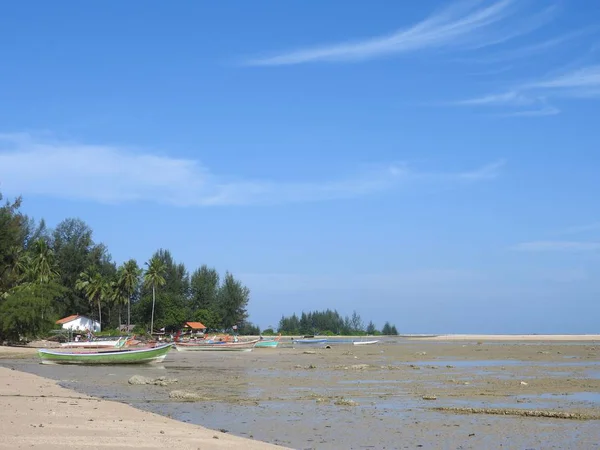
(46, 274)
(330, 322)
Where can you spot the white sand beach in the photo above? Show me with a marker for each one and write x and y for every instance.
(514, 337)
(37, 413)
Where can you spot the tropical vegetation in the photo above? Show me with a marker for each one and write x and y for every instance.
(329, 322)
(46, 274)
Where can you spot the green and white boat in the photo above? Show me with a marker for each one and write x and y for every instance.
(127, 356)
(267, 343)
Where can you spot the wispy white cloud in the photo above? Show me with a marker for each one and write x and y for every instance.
(506, 98)
(532, 98)
(467, 25)
(537, 48)
(582, 228)
(585, 77)
(115, 174)
(557, 246)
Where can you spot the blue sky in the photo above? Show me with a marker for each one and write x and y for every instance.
(430, 163)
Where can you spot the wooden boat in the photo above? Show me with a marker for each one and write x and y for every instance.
(309, 341)
(271, 343)
(97, 343)
(128, 356)
(268, 343)
(223, 346)
(366, 342)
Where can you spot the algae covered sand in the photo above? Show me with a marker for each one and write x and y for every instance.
(398, 394)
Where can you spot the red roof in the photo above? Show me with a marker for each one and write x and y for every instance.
(67, 319)
(195, 325)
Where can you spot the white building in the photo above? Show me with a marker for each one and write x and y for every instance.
(79, 323)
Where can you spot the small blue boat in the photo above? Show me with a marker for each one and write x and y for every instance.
(309, 341)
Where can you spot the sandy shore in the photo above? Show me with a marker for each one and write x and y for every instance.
(514, 337)
(464, 394)
(35, 412)
(17, 352)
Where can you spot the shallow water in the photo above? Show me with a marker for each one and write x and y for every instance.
(275, 396)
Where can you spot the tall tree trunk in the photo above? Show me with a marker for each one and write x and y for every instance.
(128, 313)
(153, 301)
(120, 308)
(100, 314)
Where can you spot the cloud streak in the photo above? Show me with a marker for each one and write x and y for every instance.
(113, 174)
(557, 246)
(582, 228)
(535, 48)
(532, 98)
(466, 25)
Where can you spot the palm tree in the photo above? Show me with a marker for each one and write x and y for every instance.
(40, 266)
(129, 280)
(20, 263)
(117, 295)
(155, 277)
(42, 262)
(94, 287)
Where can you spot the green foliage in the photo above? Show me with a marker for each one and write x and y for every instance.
(204, 288)
(129, 281)
(389, 330)
(27, 312)
(42, 266)
(268, 332)
(248, 329)
(12, 224)
(75, 252)
(95, 287)
(321, 322)
(34, 260)
(108, 333)
(155, 277)
(209, 318)
(139, 330)
(232, 302)
(371, 328)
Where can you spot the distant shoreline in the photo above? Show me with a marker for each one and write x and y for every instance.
(509, 337)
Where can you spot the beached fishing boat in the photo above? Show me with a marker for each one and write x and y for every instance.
(115, 342)
(128, 356)
(270, 343)
(366, 342)
(309, 341)
(224, 346)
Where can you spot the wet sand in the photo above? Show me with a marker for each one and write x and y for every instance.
(515, 337)
(35, 412)
(396, 394)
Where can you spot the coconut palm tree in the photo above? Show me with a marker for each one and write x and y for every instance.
(43, 266)
(155, 277)
(94, 287)
(40, 266)
(19, 265)
(129, 281)
(117, 296)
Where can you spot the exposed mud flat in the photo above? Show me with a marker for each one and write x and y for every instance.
(397, 394)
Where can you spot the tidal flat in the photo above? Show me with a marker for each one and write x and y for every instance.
(399, 393)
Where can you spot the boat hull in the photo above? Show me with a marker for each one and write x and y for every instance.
(217, 347)
(139, 356)
(107, 343)
(309, 341)
(366, 342)
(267, 344)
